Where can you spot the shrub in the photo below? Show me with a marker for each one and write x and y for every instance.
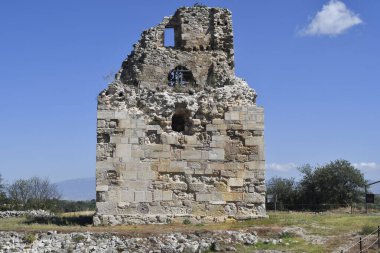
(29, 238)
(367, 229)
(78, 238)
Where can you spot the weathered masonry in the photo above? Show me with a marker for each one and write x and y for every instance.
(179, 136)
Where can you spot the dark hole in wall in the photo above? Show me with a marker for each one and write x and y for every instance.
(103, 138)
(178, 123)
(169, 37)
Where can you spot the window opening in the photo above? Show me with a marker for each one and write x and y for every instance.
(169, 37)
(180, 76)
(178, 123)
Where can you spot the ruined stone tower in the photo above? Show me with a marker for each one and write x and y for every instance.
(179, 136)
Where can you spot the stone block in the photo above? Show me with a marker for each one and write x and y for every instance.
(148, 196)
(139, 196)
(101, 124)
(167, 195)
(236, 108)
(254, 141)
(103, 166)
(260, 188)
(260, 175)
(216, 154)
(220, 186)
(235, 182)
(235, 115)
(134, 140)
(205, 155)
(217, 144)
(222, 128)
(191, 154)
(178, 186)
(140, 124)
(176, 166)
(103, 114)
(258, 133)
(196, 122)
(255, 165)
(199, 171)
(188, 171)
(157, 195)
(219, 138)
(137, 185)
(137, 153)
(191, 140)
(121, 114)
(153, 128)
(154, 147)
(162, 154)
(102, 188)
(243, 116)
(203, 197)
(169, 139)
(211, 128)
(123, 151)
(127, 196)
(215, 166)
(218, 121)
(127, 124)
(197, 187)
(131, 174)
(163, 165)
(232, 196)
(249, 174)
(122, 204)
(252, 125)
(255, 108)
(113, 195)
(145, 174)
(255, 198)
(119, 139)
(235, 126)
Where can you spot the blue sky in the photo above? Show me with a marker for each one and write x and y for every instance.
(314, 64)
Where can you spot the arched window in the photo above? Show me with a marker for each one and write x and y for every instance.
(180, 75)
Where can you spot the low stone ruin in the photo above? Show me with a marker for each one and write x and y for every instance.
(179, 136)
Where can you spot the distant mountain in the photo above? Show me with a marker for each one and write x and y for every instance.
(77, 189)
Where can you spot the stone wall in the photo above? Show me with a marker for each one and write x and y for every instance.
(185, 151)
(199, 34)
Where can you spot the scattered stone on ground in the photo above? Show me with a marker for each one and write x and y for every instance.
(30, 213)
(52, 241)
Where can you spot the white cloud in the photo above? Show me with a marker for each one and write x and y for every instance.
(281, 167)
(332, 20)
(365, 165)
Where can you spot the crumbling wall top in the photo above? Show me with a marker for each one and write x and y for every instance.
(203, 46)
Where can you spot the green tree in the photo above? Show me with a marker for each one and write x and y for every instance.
(286, 191)
(337, 182)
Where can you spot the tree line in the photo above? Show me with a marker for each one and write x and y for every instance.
(38, 193)
(335, 184)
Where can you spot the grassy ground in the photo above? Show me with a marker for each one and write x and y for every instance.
(337, 228)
